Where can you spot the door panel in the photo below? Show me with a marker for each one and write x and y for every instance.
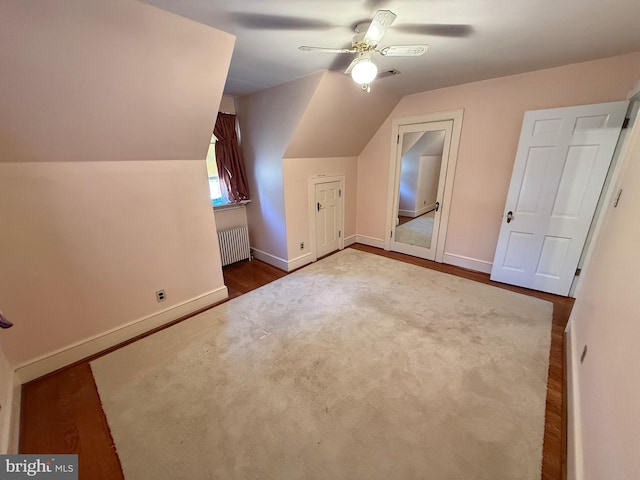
(561, 164)
(328, 208)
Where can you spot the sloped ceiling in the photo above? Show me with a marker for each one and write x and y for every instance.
(90, 80)
(340, 119)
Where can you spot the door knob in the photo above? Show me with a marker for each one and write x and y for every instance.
(437, 206)
(318, 206)
(509, 216)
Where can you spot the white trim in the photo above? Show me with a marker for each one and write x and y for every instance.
(574, 426)
(14, 416)
(277, 262)
(90, 346)
(614, 185)
(370, 241)
(281, 263)
(456, 116)
(313, 181)
(7, 413)
(407, 213)
(635, 91)
(231, 206)
(467, 262)
(417, 213)
(350, 240)
(299, 262)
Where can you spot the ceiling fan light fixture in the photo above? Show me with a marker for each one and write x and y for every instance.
(364, 71)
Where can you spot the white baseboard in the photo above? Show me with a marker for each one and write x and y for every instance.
(277, 262)
(407, 213)
(281, 263)
(372, 242)
(574, 429)
(298, 262)
(417, 213)
(467, 262)
(350, 240)
(429, 207)
(90, 346)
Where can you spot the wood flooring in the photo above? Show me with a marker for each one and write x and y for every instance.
(61, 412)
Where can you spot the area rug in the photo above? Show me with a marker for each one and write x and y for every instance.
(355, 367)
(417, 231)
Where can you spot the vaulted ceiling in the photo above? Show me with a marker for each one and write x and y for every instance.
(468, 40)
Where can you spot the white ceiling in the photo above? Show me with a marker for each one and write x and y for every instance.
(505, 37)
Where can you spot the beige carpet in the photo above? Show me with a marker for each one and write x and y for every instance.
(417, 231)
(355, 367)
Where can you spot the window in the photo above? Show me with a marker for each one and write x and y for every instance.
(224, 151)
(217, 197)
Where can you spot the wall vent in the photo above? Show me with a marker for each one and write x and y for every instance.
(388, 73)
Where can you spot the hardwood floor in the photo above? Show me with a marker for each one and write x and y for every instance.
(61, 412)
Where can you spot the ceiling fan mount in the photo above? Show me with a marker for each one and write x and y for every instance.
(365, 42)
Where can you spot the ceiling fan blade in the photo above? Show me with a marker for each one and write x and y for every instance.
(305, 48)
(382, 20)
(260, 21)
(436, 29)
(351, 65)
(404, 50)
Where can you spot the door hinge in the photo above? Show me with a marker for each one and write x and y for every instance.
(391, 234)
(615, 204)
(398, 140)
(339, 192)
(578, 271)
(339, 234)
(625, 123)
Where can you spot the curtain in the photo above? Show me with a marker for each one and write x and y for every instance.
(231, 171)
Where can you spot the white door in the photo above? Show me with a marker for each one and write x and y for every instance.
(560, 167)
(328, 197)
(421, 167)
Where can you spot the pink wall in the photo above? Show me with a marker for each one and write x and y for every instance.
(267, 121)
(116, 80)
(298, 120)
(605, 318)
(340, 118)
(86, 243)
(493, 111)
(297, 172)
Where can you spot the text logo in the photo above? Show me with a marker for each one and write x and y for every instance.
(50, 467)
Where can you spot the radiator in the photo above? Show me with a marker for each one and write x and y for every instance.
(234, 245)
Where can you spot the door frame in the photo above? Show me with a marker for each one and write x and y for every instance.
(610, 188)
(313, 181)
(454, 115)
(409, 249)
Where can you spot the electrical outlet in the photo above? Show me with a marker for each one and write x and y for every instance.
(301, 245)
(161, 296)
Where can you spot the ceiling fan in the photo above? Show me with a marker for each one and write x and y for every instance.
(365, 42)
